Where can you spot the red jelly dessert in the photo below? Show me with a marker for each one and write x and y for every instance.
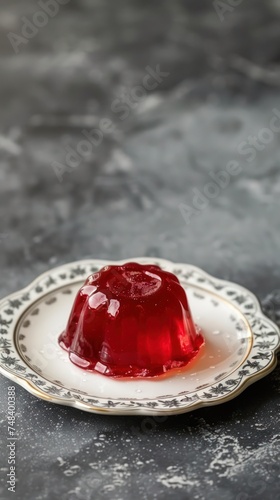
(131, 320)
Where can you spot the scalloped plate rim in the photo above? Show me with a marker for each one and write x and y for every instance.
(33, 389)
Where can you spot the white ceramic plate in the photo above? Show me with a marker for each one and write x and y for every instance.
(240, 346)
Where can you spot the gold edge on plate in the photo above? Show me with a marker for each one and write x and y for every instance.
(29, 386)
(23, 315)
(72, 402)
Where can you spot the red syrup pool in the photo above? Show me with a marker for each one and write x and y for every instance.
(131, 320)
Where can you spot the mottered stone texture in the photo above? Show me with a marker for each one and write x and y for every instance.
(145, 189)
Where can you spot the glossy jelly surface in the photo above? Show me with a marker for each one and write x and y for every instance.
(131, 320)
